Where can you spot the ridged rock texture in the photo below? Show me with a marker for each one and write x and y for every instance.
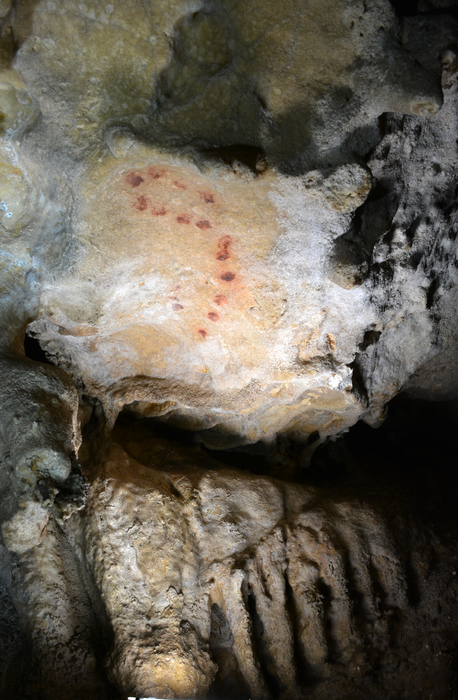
(227, 236)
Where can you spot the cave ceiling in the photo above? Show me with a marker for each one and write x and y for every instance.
(227, 235)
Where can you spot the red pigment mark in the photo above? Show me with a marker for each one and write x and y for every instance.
(212, 316)
(158, 212)
(134, 179)
(204, 224)
(141, 203)
(177, 307)
(227, 276)
(202, 332)
(184, 219)
(180, 185)
(207, 197)
(220, 299)
(223, 248)
(155, 173)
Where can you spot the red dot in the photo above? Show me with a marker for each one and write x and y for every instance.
(141, 203)
(134, 179)
(204, 224)
(220, 299)
(207, 197)
(223, 248)
(158, 212)
(227, 276)
(177, 307)
(180, 185)
(183, 219)
(202, 332)
(213, 316)
(155, 174)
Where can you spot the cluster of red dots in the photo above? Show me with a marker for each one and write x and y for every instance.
(223, 249)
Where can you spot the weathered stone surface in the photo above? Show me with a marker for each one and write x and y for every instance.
(26, 528)
(218, 581)
(39, 435)
(218, 313)
(61, 635)
(220, 284)
(237, 219)
(11, 642)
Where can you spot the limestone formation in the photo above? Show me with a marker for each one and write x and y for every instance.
(185, 578)
(232, 226)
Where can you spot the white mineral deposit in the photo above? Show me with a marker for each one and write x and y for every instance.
(228, 251)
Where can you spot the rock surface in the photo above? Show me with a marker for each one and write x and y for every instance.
(186, 578)
(211, 236)
(232, 222)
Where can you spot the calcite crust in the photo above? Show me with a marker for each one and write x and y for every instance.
(227, 234)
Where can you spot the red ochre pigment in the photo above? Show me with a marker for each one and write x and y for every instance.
(203, 224)
(227, 276)
(207, 197)
(134, 179)
(183, 219)
(141, 203)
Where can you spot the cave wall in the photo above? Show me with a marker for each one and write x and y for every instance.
(228, 234)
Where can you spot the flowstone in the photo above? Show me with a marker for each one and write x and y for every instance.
(234, 222)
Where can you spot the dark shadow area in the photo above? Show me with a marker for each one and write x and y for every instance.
(294, 139)
(8, 46)
(409, 8)
(21, 17)
(229, 682)
(411, 456)
(241, 458)
(259, 458)
(252, 157)
(261, 649)
(246, 129)
(34, 351)
(405, 8)
(155, 427)
(14, 651)
(413, 452)
(352, 252)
